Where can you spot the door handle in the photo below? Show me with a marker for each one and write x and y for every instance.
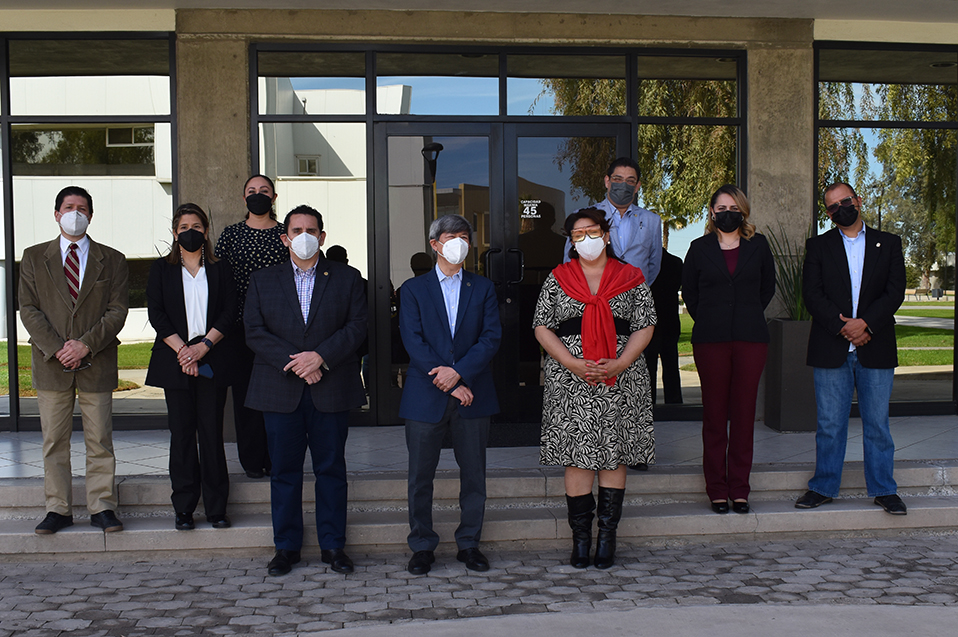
(522, 265)
(485, 262)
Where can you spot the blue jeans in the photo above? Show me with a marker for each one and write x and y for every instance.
(833, 393)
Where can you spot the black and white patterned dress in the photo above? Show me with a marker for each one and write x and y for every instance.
(601, 427)
(248, 250)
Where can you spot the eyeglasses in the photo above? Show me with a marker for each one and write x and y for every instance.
(593, 232)
(618, 179)
(847, 201)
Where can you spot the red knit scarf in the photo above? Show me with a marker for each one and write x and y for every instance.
(598, 324)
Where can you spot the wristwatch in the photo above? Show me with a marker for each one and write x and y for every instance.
(207, 342)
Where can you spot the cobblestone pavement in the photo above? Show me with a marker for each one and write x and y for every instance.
(226, 595)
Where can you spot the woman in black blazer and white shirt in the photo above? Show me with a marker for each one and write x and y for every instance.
(191, 299)
(727, 281)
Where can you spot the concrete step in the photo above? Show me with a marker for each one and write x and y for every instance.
(387, 529)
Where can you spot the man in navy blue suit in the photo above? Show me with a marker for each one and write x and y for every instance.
(449, 321)
(305, 319)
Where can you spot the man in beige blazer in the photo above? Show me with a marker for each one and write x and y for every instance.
(73, 301)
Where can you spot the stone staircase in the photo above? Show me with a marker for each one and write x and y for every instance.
(524, 506)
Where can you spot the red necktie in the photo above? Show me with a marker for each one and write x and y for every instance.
(72, 270)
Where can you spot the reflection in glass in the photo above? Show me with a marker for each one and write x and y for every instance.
(438, 84)
(337, 188)
(417, 197)
(304, 82)
(566, 85)
(918, 86)
(681, 167)
(121, 149)
(906, 178)
(4, 299)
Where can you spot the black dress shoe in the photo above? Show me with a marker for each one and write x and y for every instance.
(107, 521)
(473, 559)
(219, 521)
(184, 522)
(337, 560)
(421, 562)
(740, 507)
(53, 523)
(720, 507)
(256, 475)
(811, 500)
(892, 504)
(282, 562)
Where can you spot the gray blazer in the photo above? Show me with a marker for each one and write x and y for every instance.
(47, 311)
(335, 328)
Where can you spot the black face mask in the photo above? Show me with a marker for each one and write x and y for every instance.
(728, 220)
(845, 216)
(191, 240)
(259, 204)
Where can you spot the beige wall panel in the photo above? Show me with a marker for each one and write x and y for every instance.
(89, 20)
(212, 104)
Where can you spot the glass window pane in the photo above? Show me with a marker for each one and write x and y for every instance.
(4, 299)
(566, 85)
(888, 85)
(89, 77)
(296, 83)
(334, 184)
(94, 149)
(437, 84)
(906, 179)
(687, 87)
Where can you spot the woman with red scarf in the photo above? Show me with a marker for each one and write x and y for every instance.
(594, 318)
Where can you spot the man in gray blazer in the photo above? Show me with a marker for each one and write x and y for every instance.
(305, 320)
(73, 301)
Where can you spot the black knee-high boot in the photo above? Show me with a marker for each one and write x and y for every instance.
(609, 513)
(580, 519)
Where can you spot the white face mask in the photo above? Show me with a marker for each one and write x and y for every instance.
(74, 223)
(455, 250)
(305, 246)
(590, 249)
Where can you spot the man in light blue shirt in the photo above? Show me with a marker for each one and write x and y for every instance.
(636, 233)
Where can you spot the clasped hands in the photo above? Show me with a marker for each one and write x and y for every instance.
(72, 353)
(595, 372)
(855, 331)
(307, 366)
(189, 357)
(446, 379)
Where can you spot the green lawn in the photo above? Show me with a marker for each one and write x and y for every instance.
(932, 313)
(133, 356)
(912, 336)
(949, 302)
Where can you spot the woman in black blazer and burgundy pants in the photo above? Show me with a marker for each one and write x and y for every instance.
(727, 281)
(191, 299)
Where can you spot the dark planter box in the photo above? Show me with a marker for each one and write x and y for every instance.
(789, 382)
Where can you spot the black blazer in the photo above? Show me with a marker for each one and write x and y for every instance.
(728, 307)
(167, 311)
(827, 290)
(335, 328)
(665, 293)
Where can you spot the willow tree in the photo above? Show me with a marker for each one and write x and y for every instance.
(682, 165)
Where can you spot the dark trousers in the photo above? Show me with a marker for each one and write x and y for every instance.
(424, 442)
(729, 374)
(196, 415)
(251, 444)
(668, 349)
(325, 435)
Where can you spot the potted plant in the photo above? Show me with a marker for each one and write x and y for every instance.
(789, 382)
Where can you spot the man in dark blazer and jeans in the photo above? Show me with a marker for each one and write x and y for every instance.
(449, 320)
(305, 319)
(853, 282)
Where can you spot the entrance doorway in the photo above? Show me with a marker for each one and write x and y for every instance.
(515, 183)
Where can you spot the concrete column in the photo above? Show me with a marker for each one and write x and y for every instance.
(780, 141)
(212, 107)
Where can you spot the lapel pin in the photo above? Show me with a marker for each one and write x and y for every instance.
(878, 245)
(468, 285)
(325, 273)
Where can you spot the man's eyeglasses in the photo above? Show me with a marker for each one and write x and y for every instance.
(618, 179)
(593, 232)
(847, 201)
